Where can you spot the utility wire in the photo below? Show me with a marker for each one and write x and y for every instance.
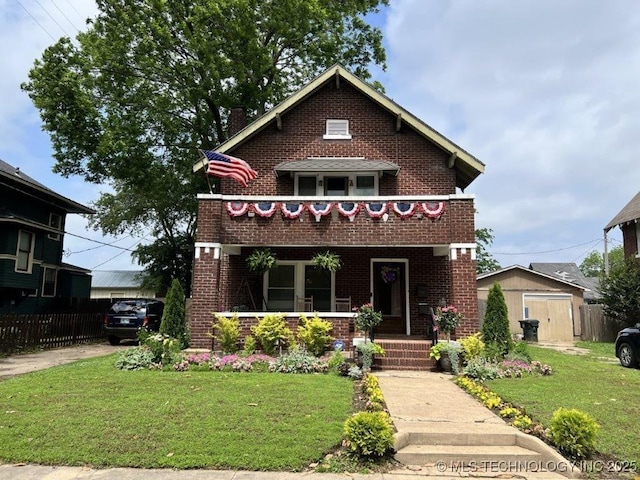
(64, 15)
(36, 20)
(103, 243)
(546, 251)
(68, 254)
(54, 20)
(118, 254)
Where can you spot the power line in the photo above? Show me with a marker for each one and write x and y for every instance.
(51, 17)
(103, 243)
(64, 15)
(36, 20)
(118, 254)
(68, 254)
(546, 251)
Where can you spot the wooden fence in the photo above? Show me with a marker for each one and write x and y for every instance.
(596, 326)
(20, 333)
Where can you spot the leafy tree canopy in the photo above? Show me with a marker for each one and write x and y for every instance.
(620, 292)
(485, 262)
(593, 263)
(150, 81)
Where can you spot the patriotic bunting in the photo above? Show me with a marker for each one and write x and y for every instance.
(433, 210)
(403, 209)
(319, 210)
(292, 210)
(265, 209)
(376, 210)
(237, 209)
(348, 209)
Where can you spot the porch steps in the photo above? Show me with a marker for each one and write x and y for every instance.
(403, 354)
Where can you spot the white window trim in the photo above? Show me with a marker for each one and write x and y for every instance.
(33, 244)
(55, 236)
(298, 288)
(336, 121)
(351, 178)
(55, 281)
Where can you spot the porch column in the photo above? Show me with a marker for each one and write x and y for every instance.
(206, 271)
(464, 292)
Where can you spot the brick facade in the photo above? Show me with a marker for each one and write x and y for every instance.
(428, 246)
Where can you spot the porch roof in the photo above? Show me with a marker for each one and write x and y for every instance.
(336, 165)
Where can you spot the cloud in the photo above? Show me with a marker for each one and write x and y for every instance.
(544, 93)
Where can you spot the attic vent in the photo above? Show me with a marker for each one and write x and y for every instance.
(18, 171)
(337, 130)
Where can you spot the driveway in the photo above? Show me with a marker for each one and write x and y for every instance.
(30, 362)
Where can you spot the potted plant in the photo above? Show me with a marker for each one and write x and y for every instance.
(447, 319)
(447, 355)
(261, 260)
(327, 260)
(366, 352)
(367, 319)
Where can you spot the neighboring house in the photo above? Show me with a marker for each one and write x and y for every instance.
(627, 220)
(33, 278)
(118, 284)
(570, 272)
(340, 167)
(531, 294)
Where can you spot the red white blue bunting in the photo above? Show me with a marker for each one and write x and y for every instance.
(237, 209)
(265, 209)
(319, 210)
(403, 209)
(348, 209)
(292, 210)
(433, 210)
(376, 209)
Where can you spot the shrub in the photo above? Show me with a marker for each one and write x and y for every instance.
(135, 358)
(481, 370)
(354, 372)
(368, 350)
(472, 346)
(172, 323)
(371, 388)
(298, 360)
(336, 360)
(236, 363)
(573, 432)
(369, 434)
(227, 332)
(250, 345)
(271, 329)
(165, 349)
(495, 328)
(314, 334)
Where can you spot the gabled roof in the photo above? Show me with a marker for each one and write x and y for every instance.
(629, 213)
(116, 278)
(569, 272)
(533, 272)
(467, 166)
(12, 175)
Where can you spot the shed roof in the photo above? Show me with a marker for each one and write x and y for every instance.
(116, 278)
(336, 165)
(567, 271)
(466, 165)
(630, 213)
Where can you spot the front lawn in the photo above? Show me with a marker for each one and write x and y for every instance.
(90, 413)
(605, 390)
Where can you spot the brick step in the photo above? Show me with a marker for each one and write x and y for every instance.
(465, 454)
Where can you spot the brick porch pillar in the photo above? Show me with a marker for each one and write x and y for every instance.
(464, 292)
(206, 270)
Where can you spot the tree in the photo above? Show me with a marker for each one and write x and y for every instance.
(485, 262)
(173, 317)
(129, 103)
(495, 327)
(620, 292)
(593, 263)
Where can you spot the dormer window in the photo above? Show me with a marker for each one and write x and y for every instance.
(337, 130)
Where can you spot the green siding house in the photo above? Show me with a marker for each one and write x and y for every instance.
(33, 278)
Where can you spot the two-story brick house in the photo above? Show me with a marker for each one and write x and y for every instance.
(628, 219)
(340, 167)
(33, 277)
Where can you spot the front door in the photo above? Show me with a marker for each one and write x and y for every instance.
(389, 296)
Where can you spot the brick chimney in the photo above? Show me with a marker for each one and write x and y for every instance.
(237, 120)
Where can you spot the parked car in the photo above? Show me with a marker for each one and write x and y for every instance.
(126, 317)
(628, 346)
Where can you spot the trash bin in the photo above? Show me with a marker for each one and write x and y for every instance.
(530, 329)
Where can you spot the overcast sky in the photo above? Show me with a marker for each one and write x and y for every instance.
(544, 93)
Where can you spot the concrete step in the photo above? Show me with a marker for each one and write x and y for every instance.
(502, 438)
(466, 454)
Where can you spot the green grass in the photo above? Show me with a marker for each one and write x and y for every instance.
(599, 349)
(606, 391)
(90, 413)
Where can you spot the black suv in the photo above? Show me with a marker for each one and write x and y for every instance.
(126, 317)
(628, 346)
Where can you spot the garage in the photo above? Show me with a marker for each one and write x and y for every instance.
(555, 314)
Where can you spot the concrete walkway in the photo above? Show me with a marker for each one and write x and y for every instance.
(417, 402)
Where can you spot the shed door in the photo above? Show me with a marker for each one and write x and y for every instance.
(555, 314)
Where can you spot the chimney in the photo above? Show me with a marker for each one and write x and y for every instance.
(237, 120)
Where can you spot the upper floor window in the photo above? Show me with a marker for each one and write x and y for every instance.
(49, 282)
(55, 221)
(337, 130)
(24, 253)
(360, 185)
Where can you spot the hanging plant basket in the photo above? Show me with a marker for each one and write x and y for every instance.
(261, 260)
(327, 260)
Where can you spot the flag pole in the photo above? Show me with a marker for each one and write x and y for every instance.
(203, 157)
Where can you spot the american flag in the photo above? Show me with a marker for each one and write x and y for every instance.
(221, 165)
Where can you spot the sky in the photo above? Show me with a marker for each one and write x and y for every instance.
(544, 93)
